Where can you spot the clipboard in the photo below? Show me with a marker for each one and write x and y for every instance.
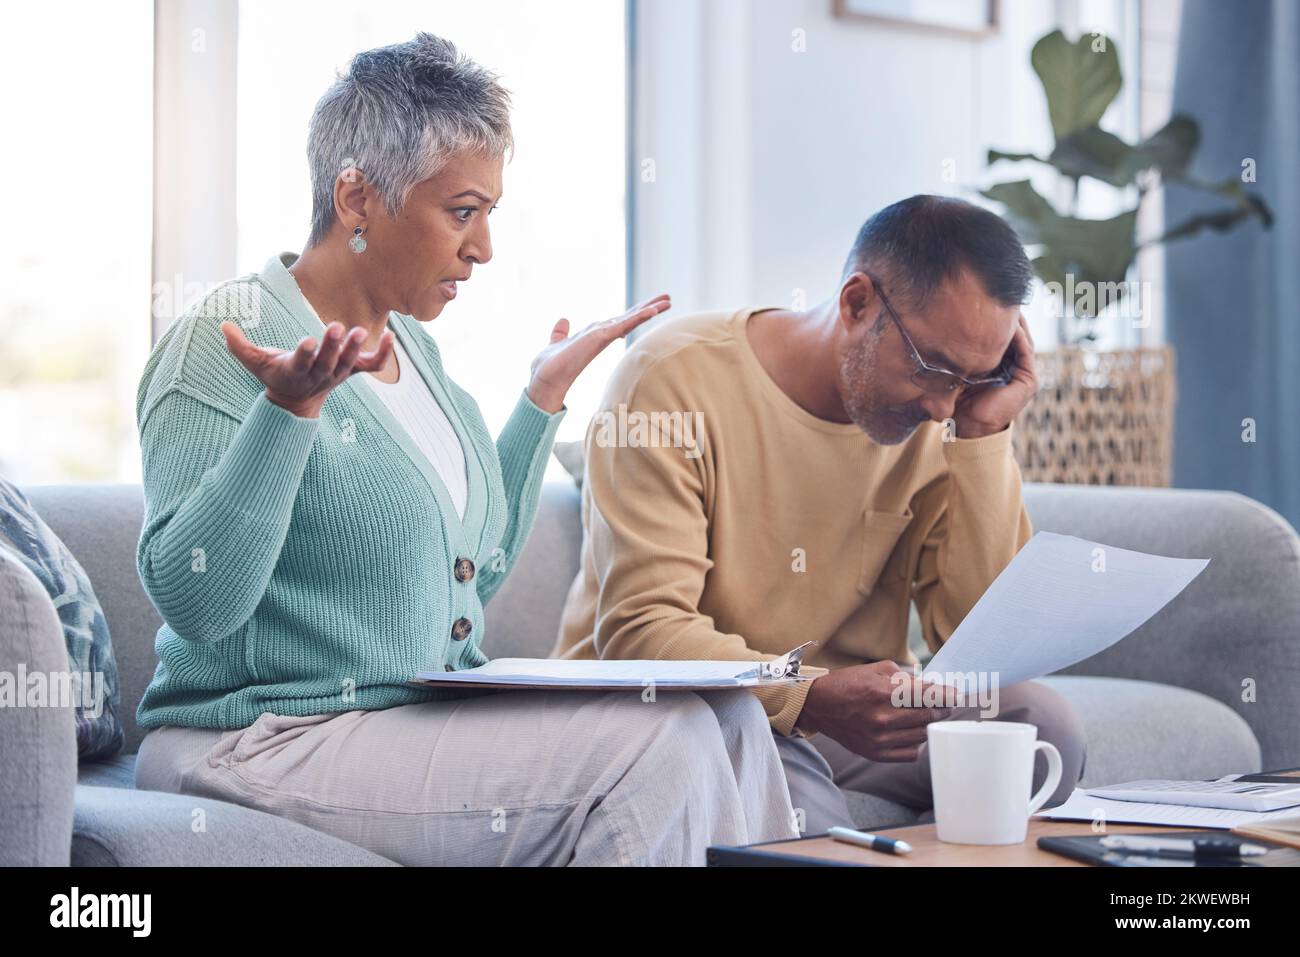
(568, 674)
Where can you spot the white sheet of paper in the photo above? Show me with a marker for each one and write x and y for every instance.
(1081, 806)
(1061, 599)
(610, 673)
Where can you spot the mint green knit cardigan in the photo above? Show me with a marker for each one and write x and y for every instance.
(307, 566)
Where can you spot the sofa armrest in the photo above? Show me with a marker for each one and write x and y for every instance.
(38, 743)
(124, 827)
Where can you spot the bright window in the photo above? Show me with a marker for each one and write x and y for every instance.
(75, 249)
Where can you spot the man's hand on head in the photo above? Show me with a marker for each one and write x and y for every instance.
(990, 409)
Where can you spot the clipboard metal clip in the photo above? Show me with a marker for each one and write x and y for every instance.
(786, 666)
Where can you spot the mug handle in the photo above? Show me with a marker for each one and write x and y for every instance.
(1053, 775)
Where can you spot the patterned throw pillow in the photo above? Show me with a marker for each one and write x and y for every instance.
(92, 678)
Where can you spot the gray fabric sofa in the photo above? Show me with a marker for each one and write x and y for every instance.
(1208, 687)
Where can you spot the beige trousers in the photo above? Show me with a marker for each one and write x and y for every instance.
(515, 778)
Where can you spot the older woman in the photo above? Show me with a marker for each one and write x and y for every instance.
(327, 516)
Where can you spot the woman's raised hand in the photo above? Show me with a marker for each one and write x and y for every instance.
(301, 379)
(559, 363)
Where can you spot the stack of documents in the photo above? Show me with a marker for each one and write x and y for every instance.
(1232, 793)
(1083, 806)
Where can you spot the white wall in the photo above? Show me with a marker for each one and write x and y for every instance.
(767, 160)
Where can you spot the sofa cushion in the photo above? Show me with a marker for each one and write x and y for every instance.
(91, 667)
(523, 618)
(1142, 729)
(573, 458)
(116, 772)
(129, 828)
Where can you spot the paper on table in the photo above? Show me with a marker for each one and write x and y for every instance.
(1081, 806)
(606, 673)
(1061, 599)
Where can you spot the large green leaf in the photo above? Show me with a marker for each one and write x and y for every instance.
(1220, 221)
(995, 155)
(1097, 251)
(1245, 206)
(1094, 152)
(1170, 149)
(1094, 250)
(1080, 82)
(1027, 210)
(1232, 189)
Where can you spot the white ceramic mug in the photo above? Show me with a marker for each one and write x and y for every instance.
(981, 773)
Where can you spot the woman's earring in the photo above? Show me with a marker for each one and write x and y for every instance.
(357, 242)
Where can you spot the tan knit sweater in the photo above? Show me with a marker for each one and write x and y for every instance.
(766, 526)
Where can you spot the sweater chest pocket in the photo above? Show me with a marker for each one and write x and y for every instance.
(881, 532)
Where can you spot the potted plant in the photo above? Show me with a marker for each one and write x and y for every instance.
(1102, 416)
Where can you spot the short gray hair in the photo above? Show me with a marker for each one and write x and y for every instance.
(399, 114)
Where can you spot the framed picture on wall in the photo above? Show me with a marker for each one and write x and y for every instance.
(972, 17)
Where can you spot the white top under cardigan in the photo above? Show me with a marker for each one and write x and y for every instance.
(415, 408)
(418, 412)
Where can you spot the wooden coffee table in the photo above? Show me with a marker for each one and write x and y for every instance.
(929, 851)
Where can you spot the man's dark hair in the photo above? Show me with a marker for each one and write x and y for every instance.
(916, 244)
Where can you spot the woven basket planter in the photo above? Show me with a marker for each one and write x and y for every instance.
(1100, 418)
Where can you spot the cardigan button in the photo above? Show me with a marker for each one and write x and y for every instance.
(464, 569)
(461, 629)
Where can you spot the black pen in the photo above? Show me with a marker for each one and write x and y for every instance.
(875, 842)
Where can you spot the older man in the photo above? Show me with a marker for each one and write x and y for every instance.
(842, 463)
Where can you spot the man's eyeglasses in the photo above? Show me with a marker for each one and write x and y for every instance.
(934, 379)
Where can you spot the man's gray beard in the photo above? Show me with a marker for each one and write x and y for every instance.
(857, 370)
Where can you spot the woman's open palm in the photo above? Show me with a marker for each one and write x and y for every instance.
(558, 365)
(300, 379)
